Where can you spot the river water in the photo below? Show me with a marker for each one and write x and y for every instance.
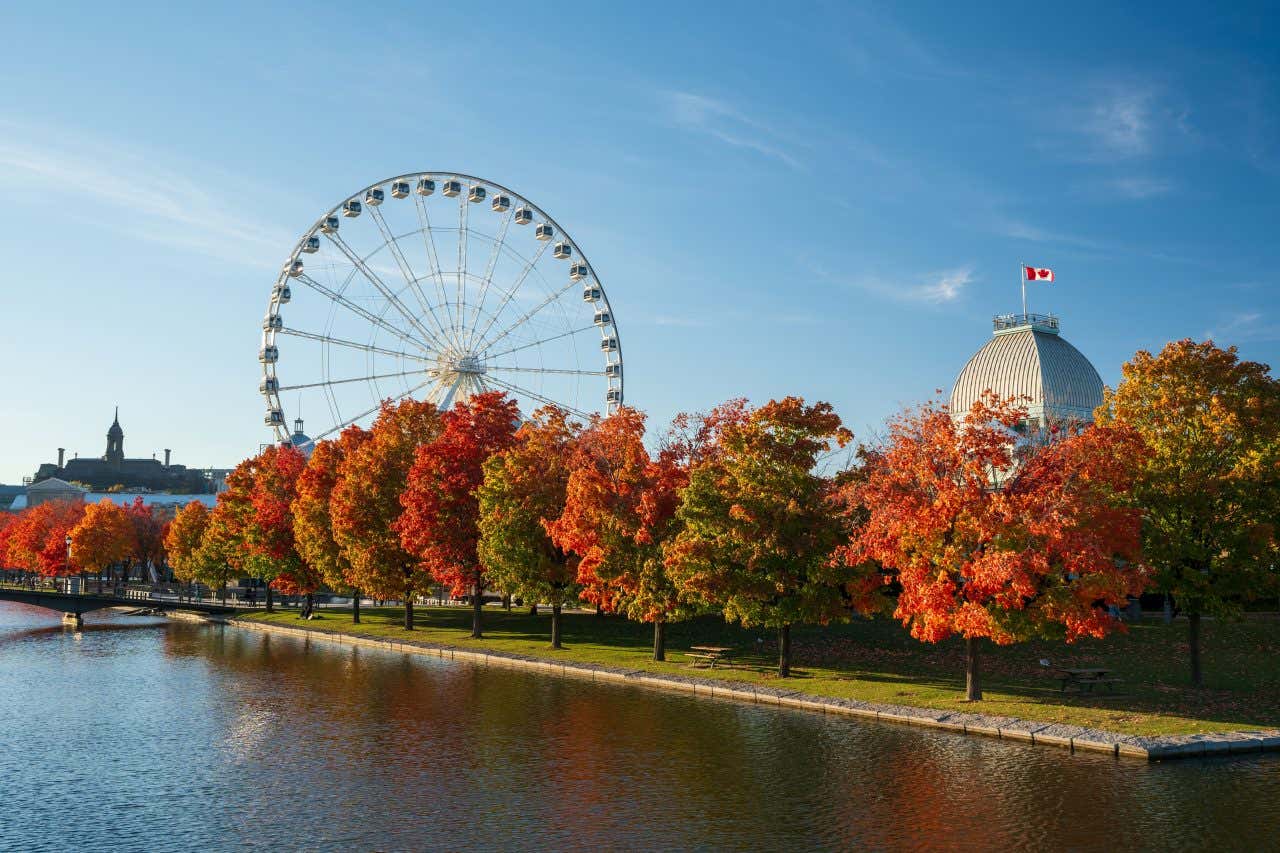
(141, 734)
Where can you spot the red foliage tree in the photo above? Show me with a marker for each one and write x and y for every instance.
(146, 545)
(989, 535)
(269, 531)
(365, 504)
(441, 509)
(38, 540)
(312, 521)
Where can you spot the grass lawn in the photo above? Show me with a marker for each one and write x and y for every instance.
(878, 661)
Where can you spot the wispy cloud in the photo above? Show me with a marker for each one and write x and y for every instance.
(721, 120)
(1244, 326)
(1140, 186)
(947, 287)
(1020, 229)
(135, 196)
(679, 321)
(1120, 120)
(935, 288)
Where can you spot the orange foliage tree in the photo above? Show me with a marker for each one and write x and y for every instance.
(312, 521)
(103, 536)
(1210, 481)
(757, 531)
(184, 538)
(365, 504)
(38, 540)
(439, 523)
(991, 535)
(523, 491)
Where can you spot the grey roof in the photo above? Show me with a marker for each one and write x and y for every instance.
(1039, 364)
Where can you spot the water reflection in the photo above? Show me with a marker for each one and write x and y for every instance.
(142, 734)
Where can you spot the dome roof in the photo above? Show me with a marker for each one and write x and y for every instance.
(1028, 357)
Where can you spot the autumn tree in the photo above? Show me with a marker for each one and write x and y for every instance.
(523, 491)
(103, 536)
(989, 535)
(619, 513)
(38, 541)
(268, 528)
(312, 521)
(1210, 483)
(184, 538)
(365, 503)
(146, 541)
(441, 509)
(757, 532)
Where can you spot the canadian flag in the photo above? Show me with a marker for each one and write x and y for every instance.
(1038, 274)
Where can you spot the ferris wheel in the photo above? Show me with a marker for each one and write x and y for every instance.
(436, 286)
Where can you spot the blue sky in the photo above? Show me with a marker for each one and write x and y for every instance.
(827, 200)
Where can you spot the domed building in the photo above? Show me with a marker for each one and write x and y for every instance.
(1027, 356)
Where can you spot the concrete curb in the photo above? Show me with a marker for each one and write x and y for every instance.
(1068, 737)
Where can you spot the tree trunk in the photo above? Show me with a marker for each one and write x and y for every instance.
(599, 609)
(784, 651)
(224, 593)
(972, 670)
(408, 607)
(1193, 623)
(310, 605)
(533, 610)
(355, 607)
(555, 626)
(477, 609)
(659, 639)
(506, 603)
(270, 600)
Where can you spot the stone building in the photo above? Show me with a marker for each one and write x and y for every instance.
(114, 471)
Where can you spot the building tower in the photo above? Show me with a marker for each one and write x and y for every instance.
(1027, 356)
(115, 441)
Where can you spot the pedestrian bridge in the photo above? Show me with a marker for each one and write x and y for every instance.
(73, 605)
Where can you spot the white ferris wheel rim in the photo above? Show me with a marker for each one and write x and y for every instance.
(458, 341)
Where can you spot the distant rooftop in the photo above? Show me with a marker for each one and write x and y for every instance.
(1039, 322)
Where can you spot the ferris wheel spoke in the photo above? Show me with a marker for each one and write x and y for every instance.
(505, 369)
(529, 314)
(405, 270)
(354, 379)
(383, 289)
(433, 259)
(326, 339)
(463, 204)
(543, 341)
(510, 294)
(488, 272)
(534, 395)
(356, 309)
(349, 421)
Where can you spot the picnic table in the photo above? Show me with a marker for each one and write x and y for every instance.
(1086, 678)
(708, 656)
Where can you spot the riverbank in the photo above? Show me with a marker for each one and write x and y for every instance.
(874, 673)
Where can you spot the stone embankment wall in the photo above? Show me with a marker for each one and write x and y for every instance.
(1006, 728)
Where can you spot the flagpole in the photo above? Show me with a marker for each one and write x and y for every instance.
(1022, 276)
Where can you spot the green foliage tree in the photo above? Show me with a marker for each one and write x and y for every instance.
(1210, 483)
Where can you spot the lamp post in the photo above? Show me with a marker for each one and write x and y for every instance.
(68, 541)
